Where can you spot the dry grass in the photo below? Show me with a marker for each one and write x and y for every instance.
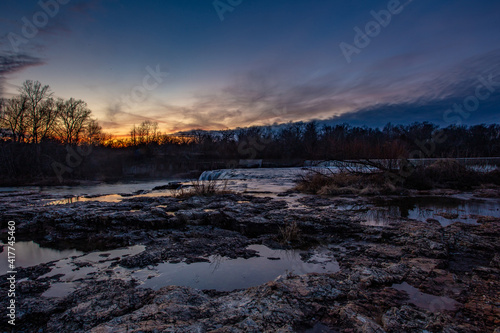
(203, 188)
(444, 174)
(441, 174)
(289, 233)
(345, 183)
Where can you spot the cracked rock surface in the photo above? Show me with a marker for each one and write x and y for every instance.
(455, 269)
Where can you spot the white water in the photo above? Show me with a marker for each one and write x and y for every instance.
(269, 181)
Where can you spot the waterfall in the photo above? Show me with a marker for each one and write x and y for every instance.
(213, 175)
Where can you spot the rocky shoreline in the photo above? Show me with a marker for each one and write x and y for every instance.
(455, 268)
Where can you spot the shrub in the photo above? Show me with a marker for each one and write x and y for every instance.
(203, 188)
(289, 233)
(345, 183)
(445, 173)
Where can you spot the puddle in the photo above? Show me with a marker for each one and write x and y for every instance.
(446, 210)
(319, 328)
(78, 268)
(107, 198)
(226, 274)
(31, 254)
(94, 264)
(60, 289)
(97, 257)
(220, 273)
(427, 301)
(95, 189)
(102, 198)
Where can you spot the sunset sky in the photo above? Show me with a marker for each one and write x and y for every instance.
(257, 62)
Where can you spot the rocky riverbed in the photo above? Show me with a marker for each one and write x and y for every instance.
(405, 276)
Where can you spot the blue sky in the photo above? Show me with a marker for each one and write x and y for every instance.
(265, 62)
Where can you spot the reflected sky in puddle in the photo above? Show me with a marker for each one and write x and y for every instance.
(228, 274)
(427, 301)
(103, 198)
(31, 254)
(445, 210)
(60, 289)
(83, 267)
(319, 328)
(220, 273)
(97, 188)
(78, 268)
(108, 198)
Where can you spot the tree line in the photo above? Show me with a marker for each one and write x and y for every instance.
(38, 132)
(35, 116)
(313, 141)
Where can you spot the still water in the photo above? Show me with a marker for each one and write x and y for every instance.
(445, 210)
(31, 254)
(228, 274)
(427, 301)
(75, 269)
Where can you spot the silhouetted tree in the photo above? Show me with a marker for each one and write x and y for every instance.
(14, 117)
(40, 109)
(73, 116)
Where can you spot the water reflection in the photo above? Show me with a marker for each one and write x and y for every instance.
(29, 254)
(94, 262)
(102, 198)
(60, 289)
(228, 274)
(220, 273)
(445, 210)
(427, 301)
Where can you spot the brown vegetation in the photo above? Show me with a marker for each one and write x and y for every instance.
(203, 188)
(289, 233)
(442, 174)
(34, 116)
(345, 183)
(38, 131)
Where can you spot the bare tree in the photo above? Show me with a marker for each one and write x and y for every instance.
(147, 132)
(39, 108)
(93, 133)
(49, 114)
(73, 116)
(133, 135)
(13, 116)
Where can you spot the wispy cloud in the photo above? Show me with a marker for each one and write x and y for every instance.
(12, 63)
(264, 97)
